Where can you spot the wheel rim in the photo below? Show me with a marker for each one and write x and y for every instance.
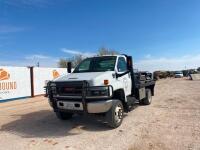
(118, 113)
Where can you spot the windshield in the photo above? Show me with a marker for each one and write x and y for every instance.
(178, 72)
(96, 64)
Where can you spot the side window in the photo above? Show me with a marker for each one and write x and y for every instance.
(121, 65)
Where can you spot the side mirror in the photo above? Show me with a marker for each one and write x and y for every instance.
(69, 67)
(129, 63)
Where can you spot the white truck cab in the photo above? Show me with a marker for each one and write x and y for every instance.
(178, 74)
(100, 85)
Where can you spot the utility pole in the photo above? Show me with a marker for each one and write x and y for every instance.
(38, 64)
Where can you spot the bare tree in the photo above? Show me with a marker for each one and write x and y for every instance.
(62, 63)
(76, 60)
(105, 51)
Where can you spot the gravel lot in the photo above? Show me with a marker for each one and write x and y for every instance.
(172, 121)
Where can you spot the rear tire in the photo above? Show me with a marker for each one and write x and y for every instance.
(115, 115)
(147, 100)
(63, 115)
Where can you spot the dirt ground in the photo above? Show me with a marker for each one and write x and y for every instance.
(172, 121)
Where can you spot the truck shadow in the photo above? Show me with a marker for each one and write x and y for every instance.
(45, 124)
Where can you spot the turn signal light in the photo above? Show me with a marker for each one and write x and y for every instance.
(106, 82)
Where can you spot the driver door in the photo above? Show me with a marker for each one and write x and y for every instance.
(125, 79)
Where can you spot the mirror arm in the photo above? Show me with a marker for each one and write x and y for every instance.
(122, 74)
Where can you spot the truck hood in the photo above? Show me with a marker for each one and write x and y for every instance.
(94, 78)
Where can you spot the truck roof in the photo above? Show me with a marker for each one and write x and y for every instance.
(117, 55)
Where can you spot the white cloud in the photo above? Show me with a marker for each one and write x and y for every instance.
(25, 63)
(29, 3)
(148, 56)
(37, 56)
(163, 63)
(23, 2)
(44, 61)
(76, 52)
(9, 29)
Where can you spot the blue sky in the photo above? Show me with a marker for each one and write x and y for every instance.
(159, 34)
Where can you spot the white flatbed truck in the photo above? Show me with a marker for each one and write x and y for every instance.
(104, 85)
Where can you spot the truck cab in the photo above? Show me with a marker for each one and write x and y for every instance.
(103, 85)
(178, 74)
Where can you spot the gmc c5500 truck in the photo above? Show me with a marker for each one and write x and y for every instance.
(104, 85)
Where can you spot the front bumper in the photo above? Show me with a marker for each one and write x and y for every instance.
(92, 107)
(81, 102)
(178, 76)
(99, 106)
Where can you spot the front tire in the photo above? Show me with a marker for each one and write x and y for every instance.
(115, 115)
(63, 115)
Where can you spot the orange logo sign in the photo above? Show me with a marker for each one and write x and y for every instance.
(55, 74)
(5, 86)
(4, 75)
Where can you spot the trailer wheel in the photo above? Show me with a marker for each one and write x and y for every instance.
(147, 100)
(115, 115)
(63, 115)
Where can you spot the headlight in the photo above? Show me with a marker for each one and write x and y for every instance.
(98, 92)
(53, 89)
(52, 84)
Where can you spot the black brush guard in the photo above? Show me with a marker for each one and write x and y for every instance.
(79, 90)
